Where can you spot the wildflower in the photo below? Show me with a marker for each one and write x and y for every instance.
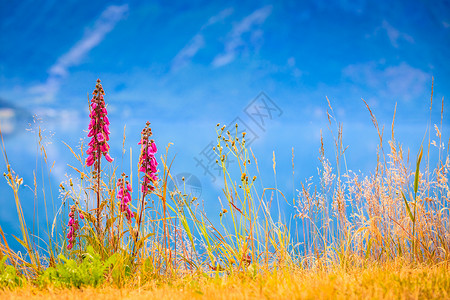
(147, 160)
(98, 129)
(247, 259)
(124, 196)
(73, 227)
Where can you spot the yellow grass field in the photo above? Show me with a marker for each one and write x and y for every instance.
(392, 281)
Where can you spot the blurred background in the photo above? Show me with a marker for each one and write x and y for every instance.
(186, 66)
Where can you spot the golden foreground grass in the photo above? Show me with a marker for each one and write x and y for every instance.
(392, 281)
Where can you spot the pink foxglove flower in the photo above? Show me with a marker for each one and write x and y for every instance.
(73, 227)
(147, 160)
(98, 129)
(125, 197)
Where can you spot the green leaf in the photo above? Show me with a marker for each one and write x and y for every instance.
(187, 229)
(407, 207)
(416, 177)
(63, 258)
(111, 260)
(20, 241)
(2, 264)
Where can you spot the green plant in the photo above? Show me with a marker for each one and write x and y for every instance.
(90, 271)
(8, 275)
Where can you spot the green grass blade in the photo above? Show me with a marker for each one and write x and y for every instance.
(416, 177)
(407, 207)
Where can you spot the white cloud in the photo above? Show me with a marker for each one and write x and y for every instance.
(7, 124)
(401, 82)
(224, 59)
(93, 37)
(222, 15)
(197, 42)
(188, 52)
(395, 35)
(235, 37)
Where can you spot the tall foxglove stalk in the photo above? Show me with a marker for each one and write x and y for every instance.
(73, 226)
(99, 133)
(147, 160)
(124, 196)
(147, 165)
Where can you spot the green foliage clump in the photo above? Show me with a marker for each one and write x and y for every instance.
(91, 271)
(8, 275)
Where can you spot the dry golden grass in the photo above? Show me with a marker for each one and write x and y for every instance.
(390, 281)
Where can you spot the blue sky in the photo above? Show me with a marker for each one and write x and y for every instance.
(186, 66)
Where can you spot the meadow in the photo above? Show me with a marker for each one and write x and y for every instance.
(381, 235)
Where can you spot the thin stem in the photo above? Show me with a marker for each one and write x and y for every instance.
(139, 222)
